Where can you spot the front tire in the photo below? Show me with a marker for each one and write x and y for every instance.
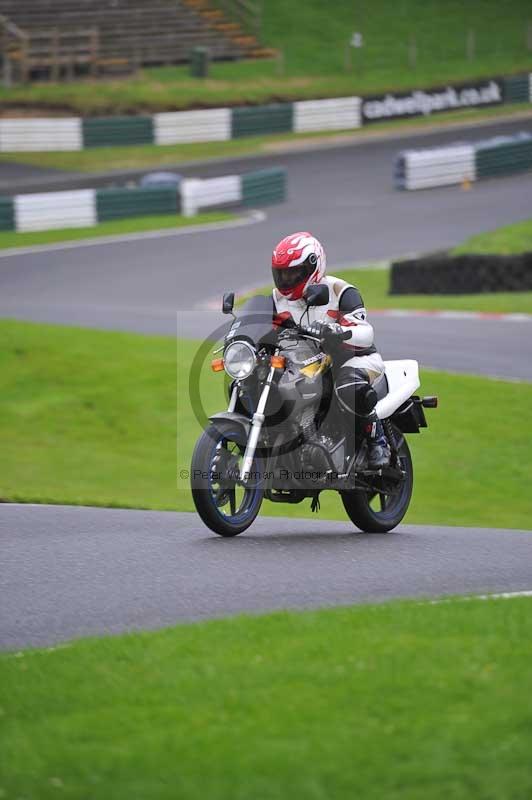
(362, 507)
(224, 505)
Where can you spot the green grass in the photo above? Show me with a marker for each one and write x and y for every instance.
(91, 417)
(510, 239)
(98, 159)
(313, 43)
(115, 227)
(403, 701)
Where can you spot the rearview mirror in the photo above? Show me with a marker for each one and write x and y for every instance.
(228, 302)
(317, 294)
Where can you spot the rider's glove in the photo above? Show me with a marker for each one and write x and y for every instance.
(317, 329)
(327, 332)
(330, 339)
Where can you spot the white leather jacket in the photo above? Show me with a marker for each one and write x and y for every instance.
(345, 307)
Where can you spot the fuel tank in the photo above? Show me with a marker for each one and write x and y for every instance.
(305, 384)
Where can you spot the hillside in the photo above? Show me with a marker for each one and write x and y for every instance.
(407, 43)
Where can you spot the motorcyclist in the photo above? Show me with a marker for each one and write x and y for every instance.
(298, 261)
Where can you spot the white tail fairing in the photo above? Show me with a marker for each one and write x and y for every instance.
(403, 380)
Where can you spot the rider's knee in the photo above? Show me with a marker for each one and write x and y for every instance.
(354, 391)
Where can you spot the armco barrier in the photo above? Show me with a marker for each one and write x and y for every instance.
(442, 166)
(222, 124)
(86, 207)
(465, 274)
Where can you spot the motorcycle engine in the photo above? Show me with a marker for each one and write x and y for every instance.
(314, 460)
(314, 453)
(313, 456)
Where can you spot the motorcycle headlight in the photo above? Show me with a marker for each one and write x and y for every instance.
(239, 360)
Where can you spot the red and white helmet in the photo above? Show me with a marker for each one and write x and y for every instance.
(297, 261)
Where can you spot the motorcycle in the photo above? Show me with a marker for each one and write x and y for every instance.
(285, 437)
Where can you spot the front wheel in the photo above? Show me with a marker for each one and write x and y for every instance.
(382, 509)
(224, 504)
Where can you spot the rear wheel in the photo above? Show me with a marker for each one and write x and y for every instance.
(382, 508)
(224, 503)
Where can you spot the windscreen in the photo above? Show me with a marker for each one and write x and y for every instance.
(254, 322)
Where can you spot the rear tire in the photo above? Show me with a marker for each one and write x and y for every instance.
(358, 503)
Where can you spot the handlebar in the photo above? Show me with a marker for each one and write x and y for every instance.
(307, 330)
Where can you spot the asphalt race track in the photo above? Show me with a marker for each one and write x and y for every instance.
(70, 572)
(345, 196)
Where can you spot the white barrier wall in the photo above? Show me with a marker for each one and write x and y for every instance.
(39, 212)
(438, 167)
(339, 113)
(192, 126)
(87, 207)
(41, 134)
(197, 193)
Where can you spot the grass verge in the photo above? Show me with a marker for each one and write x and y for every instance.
(402, 701)
(316, 60)
(516, 238)
(101, 159)
(89, 417)
(117, 227)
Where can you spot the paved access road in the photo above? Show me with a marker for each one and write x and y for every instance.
(68, 572)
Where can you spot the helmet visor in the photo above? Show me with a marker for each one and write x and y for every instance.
(289, 277)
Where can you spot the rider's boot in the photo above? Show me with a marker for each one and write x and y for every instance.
(379, 452)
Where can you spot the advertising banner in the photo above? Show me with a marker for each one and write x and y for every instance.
(423, 102)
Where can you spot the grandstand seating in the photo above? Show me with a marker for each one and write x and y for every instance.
(124, 33)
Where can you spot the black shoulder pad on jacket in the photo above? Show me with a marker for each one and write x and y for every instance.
(350, 300)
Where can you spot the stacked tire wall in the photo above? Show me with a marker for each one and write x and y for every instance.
(462, 274)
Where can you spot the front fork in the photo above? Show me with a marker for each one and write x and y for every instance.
(234, 398)
(256, 427)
